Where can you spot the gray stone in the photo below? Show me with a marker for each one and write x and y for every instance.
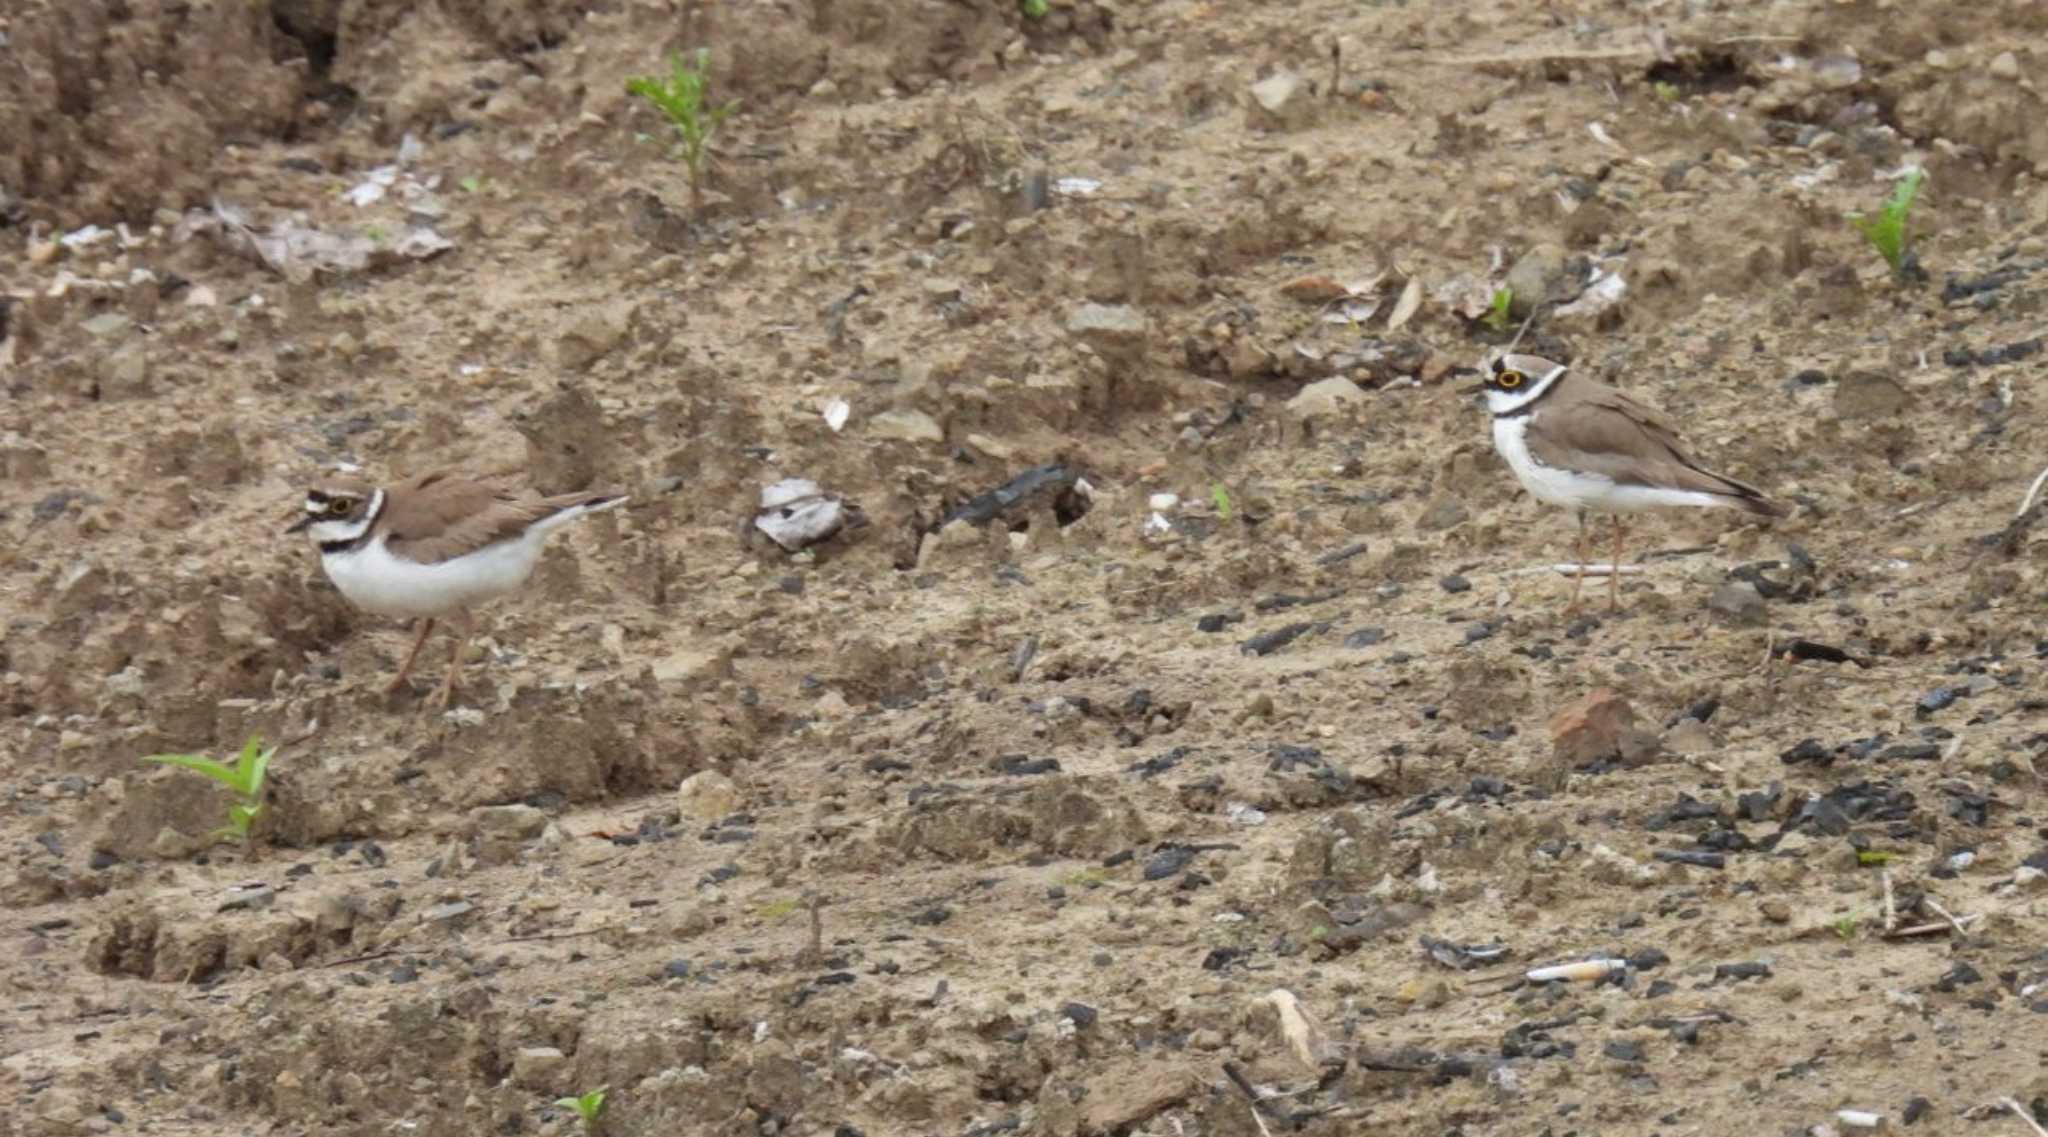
(1537, 278)
(1738, 602)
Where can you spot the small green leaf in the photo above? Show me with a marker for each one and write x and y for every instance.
(201, 764)
(1221, 497)
(589, 1106)
(1887, 231)
(471, 184)
(1497, 313)
(1035, 9)
(1665, 91)
(1873, 857)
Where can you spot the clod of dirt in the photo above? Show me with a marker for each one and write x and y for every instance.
(589, 339)
(1117, 331)
(1599, 726)
(1325, 396)
(501, 831)
(1868, 395)
(564, 438)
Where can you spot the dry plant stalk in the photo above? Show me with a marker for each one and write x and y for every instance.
(1304, 1037)
(2025, 1115)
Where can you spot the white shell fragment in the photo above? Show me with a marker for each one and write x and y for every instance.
(796, 514)
(1859, 1119)
(1588, 969)
(836, 412)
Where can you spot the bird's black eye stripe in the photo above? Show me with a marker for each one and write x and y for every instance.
(316, 497)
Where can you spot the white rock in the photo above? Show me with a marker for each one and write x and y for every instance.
(1163, 502)
(707, 795)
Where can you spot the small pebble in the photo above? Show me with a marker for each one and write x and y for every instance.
(1455, 584)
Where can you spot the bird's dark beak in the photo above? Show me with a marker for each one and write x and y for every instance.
(301, 523)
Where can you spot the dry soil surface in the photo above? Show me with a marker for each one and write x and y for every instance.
(1018, 823)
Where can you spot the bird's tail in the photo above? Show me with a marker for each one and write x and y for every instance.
(570, 506)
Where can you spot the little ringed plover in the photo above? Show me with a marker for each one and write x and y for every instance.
(432, 547)
(1583, 445)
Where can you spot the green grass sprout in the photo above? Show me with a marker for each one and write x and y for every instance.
(1874, 857)
(1845, 927)
(1221, 497)
(1666, 91)
(1497, 312)
(471, 184)
(1034, 9)
(589, 1107)
(681, 97)
(244, 779)
(1887, 231)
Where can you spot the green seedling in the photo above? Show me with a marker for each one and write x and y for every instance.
(681, 97)
(1497, 312)
(1873, 857)
(244, 779)
(1034, 9)
(1845, 927)
(471, 184)
(589, 1107)
(1221, 497)
(377, 234)
(1665, 91)
(1887, 231)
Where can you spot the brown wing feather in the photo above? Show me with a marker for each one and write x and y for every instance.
(1612, 434)
(445, 516)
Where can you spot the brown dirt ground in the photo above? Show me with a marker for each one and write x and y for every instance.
(887, 926)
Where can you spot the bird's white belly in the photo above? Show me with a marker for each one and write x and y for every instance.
(376, 581)
(1576, 490)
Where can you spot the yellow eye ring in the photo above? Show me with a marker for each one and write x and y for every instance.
(1509, 380)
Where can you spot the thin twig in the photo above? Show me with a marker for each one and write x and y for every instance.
(2032, 492)
(1569, 569)
(1930, 929)
(1891, 912)
(1944, 914)
(543, 936)
(2025, 1115)
(385, 954)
